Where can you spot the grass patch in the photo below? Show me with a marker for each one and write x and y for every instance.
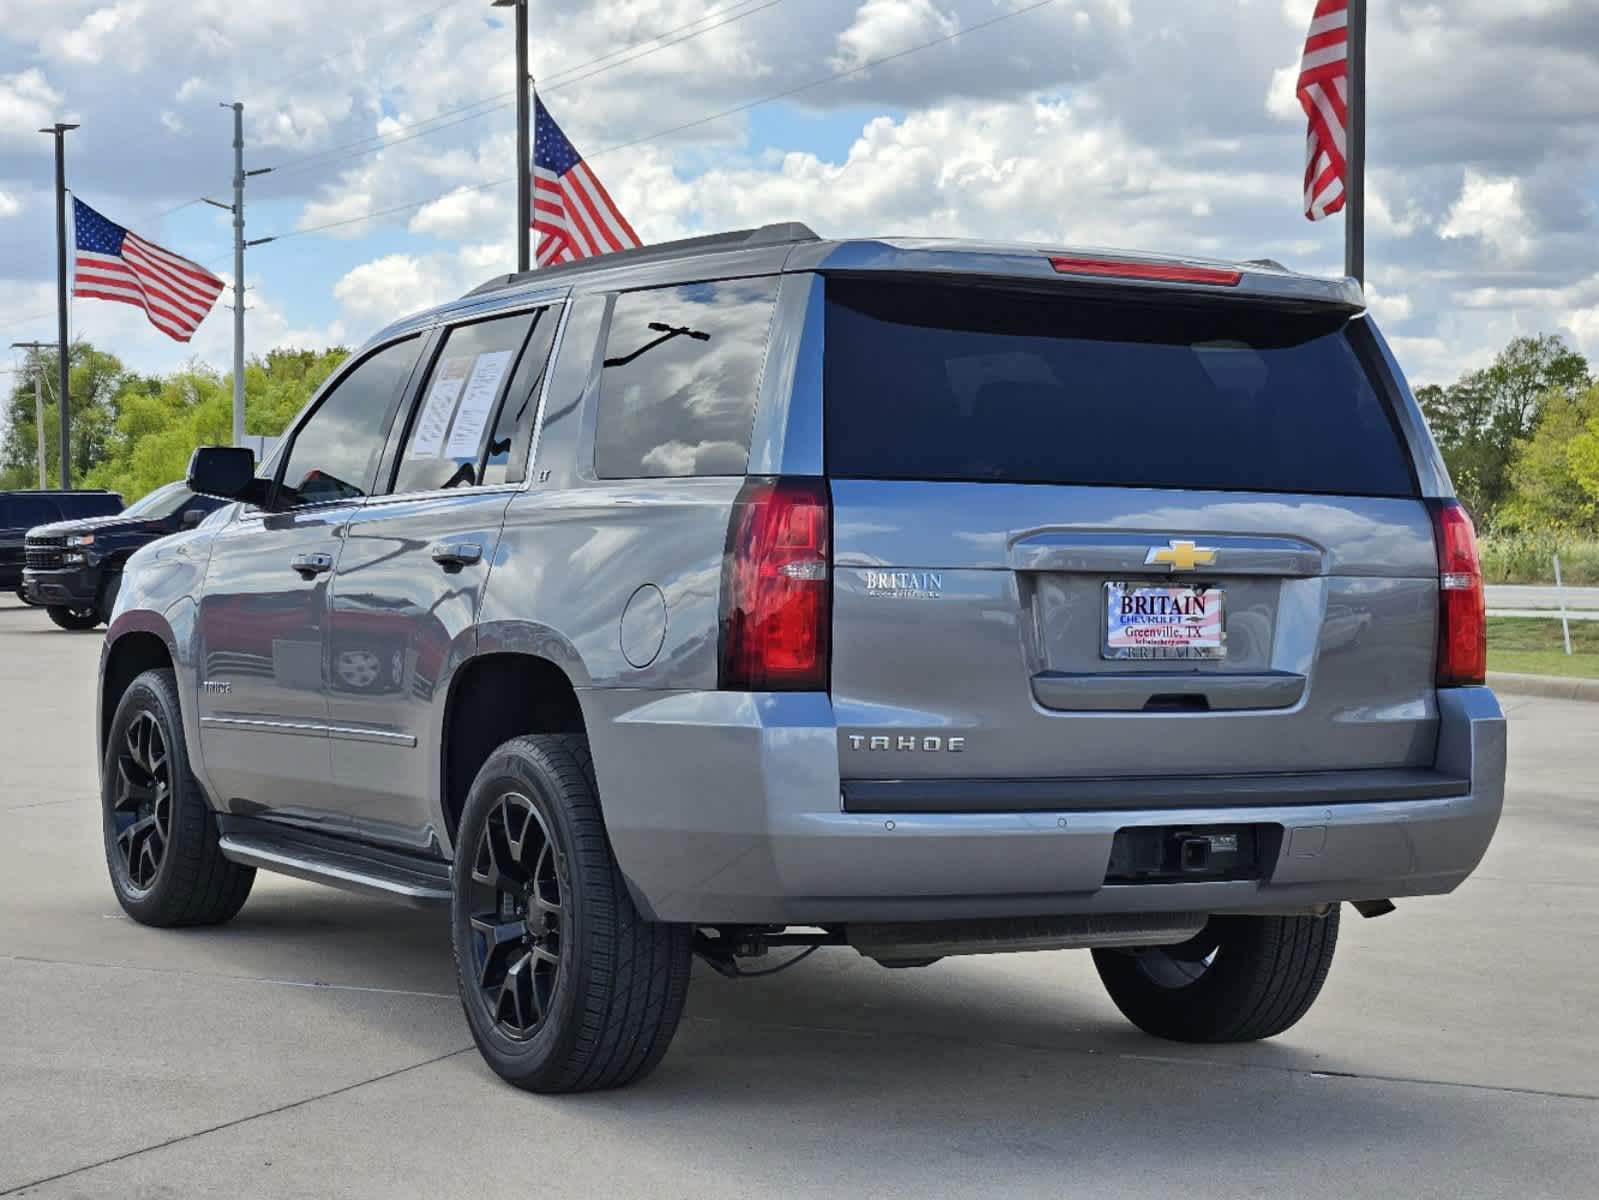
(1533, 646)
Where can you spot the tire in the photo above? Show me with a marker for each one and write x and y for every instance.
(160, 833)
(579, 999)
(75, 619)
(1264, 975)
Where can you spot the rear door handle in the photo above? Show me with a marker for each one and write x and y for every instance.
(457, 554)
(311, 565)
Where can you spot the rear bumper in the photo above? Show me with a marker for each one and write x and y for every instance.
(74, 587)
(726, 807)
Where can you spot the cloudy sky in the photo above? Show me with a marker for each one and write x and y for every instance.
(1154, 124)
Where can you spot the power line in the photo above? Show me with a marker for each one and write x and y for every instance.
(374, 143)
(706, 120)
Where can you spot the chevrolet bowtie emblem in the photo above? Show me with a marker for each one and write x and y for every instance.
(1180, 556)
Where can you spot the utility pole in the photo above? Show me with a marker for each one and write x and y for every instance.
(38, 402)
(239, 244)
(1355, 152)
(524, 165)
(59, 131)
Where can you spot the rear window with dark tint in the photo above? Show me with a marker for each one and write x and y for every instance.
(967, 383)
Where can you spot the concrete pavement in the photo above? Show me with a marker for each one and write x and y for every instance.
(314, 1047)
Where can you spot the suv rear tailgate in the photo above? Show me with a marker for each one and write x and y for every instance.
(997, 462)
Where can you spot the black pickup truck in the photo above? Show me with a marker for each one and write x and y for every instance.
(20, 511)
(74, 567)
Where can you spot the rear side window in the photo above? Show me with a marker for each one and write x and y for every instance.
(460, 403)
(968, 383)
(682, 367)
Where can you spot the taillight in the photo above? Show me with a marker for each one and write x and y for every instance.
(1462, 619)
(777, 586)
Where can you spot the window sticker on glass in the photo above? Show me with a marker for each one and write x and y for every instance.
(466, 436)
(434, 420)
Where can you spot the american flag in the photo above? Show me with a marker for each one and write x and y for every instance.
(573, 214)
(113, 264)
(1324, 95)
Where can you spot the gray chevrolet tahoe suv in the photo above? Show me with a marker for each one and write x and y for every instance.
(761, 592)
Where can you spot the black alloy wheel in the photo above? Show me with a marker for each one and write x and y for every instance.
(162, 847)
(141, 805)
(1180, 965)
(74, 619)
(565, 986)
(517, 916)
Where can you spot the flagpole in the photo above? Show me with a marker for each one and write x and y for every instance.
(59, 130)
(524, 165)
(1355, 149)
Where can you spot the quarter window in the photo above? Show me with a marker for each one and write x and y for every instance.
(460, 404)
(336, 450)
(682, 367)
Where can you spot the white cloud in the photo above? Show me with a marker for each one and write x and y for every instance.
(458, 213)
(1390, 309)
(111, 30)
(27, 103)
(387, 288)
(10, 206)
(1099, 121)
(1584, 326)
(1491, 209)
(883, 27)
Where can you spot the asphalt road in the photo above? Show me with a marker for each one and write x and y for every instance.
(1524, 596)
(314, 1047)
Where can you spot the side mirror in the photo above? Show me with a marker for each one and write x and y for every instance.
(192, 518)
(226, 472)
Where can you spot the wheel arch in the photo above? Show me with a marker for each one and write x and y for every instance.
(493, 697)
(133, 652)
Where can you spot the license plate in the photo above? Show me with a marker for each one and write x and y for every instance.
(1164, 622)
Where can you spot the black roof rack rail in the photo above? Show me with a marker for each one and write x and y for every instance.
(781, 233)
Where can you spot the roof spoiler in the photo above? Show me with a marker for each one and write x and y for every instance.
(779, 234)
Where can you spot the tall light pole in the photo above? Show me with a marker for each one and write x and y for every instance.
(38, 402)
(239, 244)
(59, 131)
(524, 165)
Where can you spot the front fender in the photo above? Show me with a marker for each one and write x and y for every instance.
(160, 586)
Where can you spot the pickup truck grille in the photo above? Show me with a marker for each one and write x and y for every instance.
(44, 553)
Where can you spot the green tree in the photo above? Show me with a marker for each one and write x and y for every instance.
(1583, 455)
(1548, 489)
(1480, 419)
(159, 423)
(96, 379)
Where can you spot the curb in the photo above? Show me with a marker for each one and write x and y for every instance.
(1556, 687)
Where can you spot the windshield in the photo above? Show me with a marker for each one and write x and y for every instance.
(162, 502)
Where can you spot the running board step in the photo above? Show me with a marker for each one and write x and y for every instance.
(424, 884)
